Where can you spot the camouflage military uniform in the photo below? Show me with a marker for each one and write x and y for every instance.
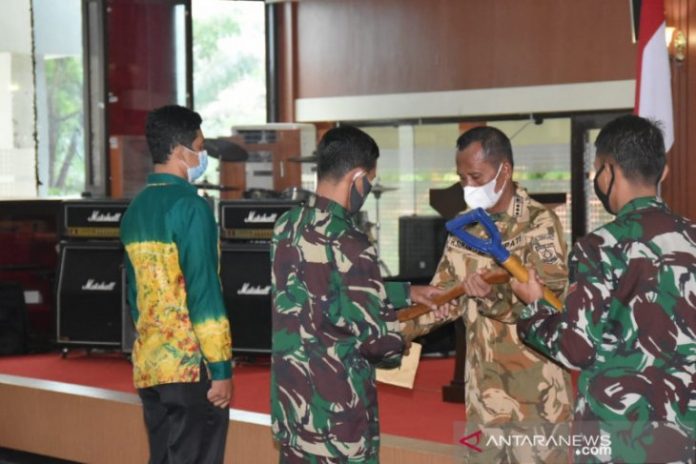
(630, 327)
(507, 382)
(333, 321)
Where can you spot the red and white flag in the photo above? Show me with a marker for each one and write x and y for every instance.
(653, 85)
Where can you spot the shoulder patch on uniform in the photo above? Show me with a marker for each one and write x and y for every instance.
(544, 247)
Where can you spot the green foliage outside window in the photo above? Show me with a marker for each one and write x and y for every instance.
(66, 173)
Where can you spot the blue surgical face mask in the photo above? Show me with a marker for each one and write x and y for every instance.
(196, 172)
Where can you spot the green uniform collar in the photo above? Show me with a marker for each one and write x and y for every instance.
(641, 203)
(160, 178)
(331, 206)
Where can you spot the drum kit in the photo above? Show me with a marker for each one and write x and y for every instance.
(229, 151)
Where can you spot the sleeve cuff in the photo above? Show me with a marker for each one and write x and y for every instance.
(539, 306)
(398, 293)
(220, 370)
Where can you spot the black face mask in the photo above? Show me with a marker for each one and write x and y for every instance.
(357, 200)
(604, 197)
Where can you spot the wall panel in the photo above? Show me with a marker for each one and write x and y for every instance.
(679, 191)
(357, 47)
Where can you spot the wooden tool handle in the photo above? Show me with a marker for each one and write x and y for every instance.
(412, 312)
(515, 267)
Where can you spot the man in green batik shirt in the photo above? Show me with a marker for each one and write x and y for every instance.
(333, 316)
(182, 353)
(629, 322)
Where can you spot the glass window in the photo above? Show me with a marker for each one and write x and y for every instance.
(229, 64)
(59, 97)
(17, 122)
(229, 68)
(542, 160)
(415, 159)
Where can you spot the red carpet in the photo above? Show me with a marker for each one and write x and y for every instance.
(418, 413)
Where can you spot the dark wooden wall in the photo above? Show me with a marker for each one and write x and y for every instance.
(358, 47)
(680, 186)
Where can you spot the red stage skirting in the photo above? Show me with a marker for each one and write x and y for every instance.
(419, 413)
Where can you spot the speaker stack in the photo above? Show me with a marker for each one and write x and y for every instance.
(421, 242)
(246, 229)
(92, 310)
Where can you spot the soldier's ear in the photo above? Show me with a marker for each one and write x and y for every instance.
(665, 172)
(354, 174)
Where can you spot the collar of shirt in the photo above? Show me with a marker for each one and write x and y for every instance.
(159, 178)
(331, 206)
(641, 203)
(516, 207)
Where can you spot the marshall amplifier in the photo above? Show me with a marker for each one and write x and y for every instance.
(92, 219)
(251, 221)
(90, 294)
(245, 271)
(421, 241)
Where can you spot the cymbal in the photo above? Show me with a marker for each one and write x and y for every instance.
(304, 159)
(209, 186)
(226, 150)
(378, 189)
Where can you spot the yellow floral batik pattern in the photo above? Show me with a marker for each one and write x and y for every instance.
(167, 348)
(209, 333)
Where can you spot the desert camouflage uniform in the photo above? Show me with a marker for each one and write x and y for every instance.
(629, 326)
(507, 383)
(333, 321)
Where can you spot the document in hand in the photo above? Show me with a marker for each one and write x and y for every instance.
(405, 375)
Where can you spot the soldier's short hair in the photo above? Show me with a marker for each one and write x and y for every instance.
(495, 144)
(637, 145)
(343, 149)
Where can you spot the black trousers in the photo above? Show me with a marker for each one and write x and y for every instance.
(183, 427)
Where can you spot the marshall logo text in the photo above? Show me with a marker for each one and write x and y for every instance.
(98, 216)
(93, 286)
(255, 217)
(256, 290)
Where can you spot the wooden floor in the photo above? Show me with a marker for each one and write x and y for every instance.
(95, 425)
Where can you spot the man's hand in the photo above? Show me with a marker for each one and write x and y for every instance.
(530, 291)
(220, 393)
(426, 294)
(477, 287)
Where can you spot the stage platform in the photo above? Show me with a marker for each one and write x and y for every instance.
(84, 408)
